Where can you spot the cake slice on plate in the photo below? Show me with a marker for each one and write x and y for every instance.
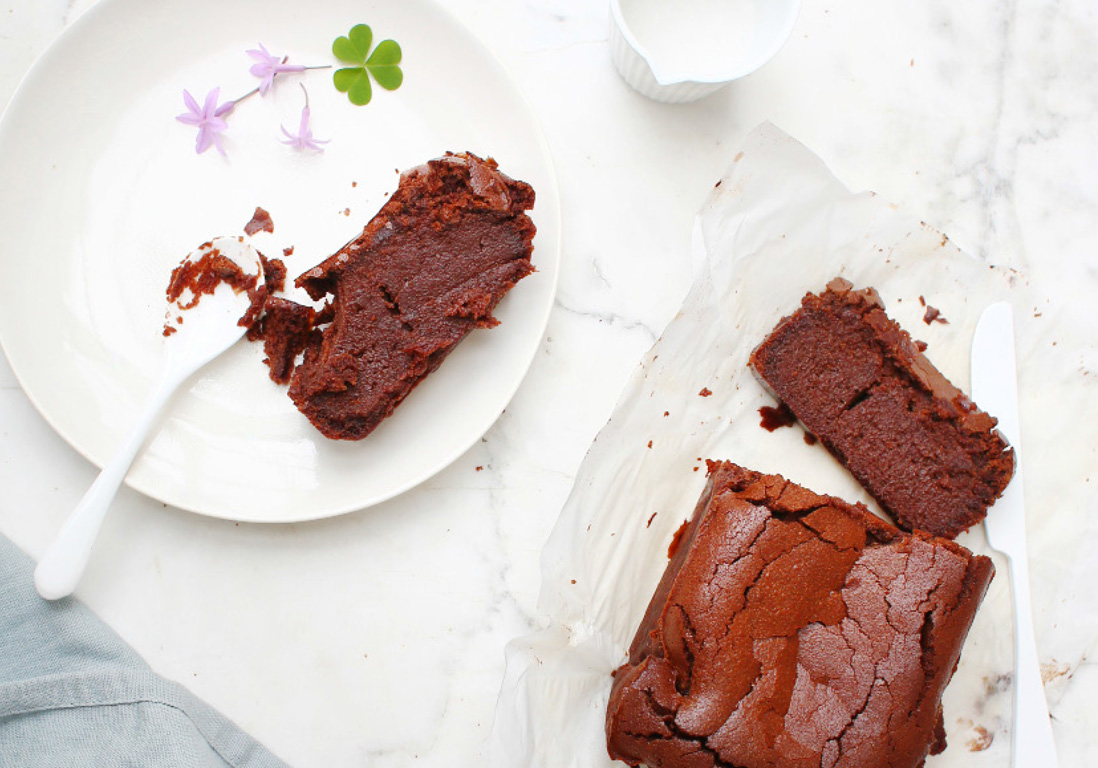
(428, 269)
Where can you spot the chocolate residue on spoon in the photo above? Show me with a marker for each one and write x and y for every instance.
(202, 277)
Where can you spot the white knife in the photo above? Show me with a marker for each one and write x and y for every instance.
(995, 390)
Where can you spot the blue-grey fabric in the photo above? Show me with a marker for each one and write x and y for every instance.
(72, 693)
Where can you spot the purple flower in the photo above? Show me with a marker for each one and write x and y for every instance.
(267, 66)
(303, 139)
(207, 118)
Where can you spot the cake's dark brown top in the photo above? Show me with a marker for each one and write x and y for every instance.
(794, 630)
(857, 381)
(430, 267)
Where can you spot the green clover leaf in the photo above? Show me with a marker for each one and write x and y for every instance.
(383, 64)
(354, 82)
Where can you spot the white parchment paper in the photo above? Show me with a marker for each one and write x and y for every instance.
(776, 226)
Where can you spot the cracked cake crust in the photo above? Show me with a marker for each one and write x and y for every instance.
(857, 381)
(793, 629)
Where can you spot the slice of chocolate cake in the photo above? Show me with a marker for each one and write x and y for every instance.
(856, 380)
(793, 629)
(428, 268)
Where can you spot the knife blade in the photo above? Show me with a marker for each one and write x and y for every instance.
(995, 390)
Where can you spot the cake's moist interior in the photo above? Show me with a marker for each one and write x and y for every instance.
(858, 382)
(429, 268)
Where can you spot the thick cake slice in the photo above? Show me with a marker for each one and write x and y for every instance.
(793, 629)
(855, 379)
(429, 268)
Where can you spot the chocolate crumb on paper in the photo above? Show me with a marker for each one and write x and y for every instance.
(772, 418)
(932, 314)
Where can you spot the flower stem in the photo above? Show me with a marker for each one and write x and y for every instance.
(252, 92)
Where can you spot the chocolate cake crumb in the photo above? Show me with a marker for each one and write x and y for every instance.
(261, 222)
(933, 315)
(775, 418)
(793, 629)
(285, 328)
(274, 281)
(274, 274)
(856, 380)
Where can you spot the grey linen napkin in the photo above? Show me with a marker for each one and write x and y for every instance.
(72, 693)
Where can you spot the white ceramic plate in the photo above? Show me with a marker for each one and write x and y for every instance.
(103, 195)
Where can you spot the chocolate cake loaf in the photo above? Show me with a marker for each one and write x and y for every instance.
(793, 629)
(856, 380)
(428, 268)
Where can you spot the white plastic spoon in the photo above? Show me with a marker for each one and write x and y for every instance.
(208, 329)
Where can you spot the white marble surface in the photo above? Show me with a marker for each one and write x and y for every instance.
(376, 638)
